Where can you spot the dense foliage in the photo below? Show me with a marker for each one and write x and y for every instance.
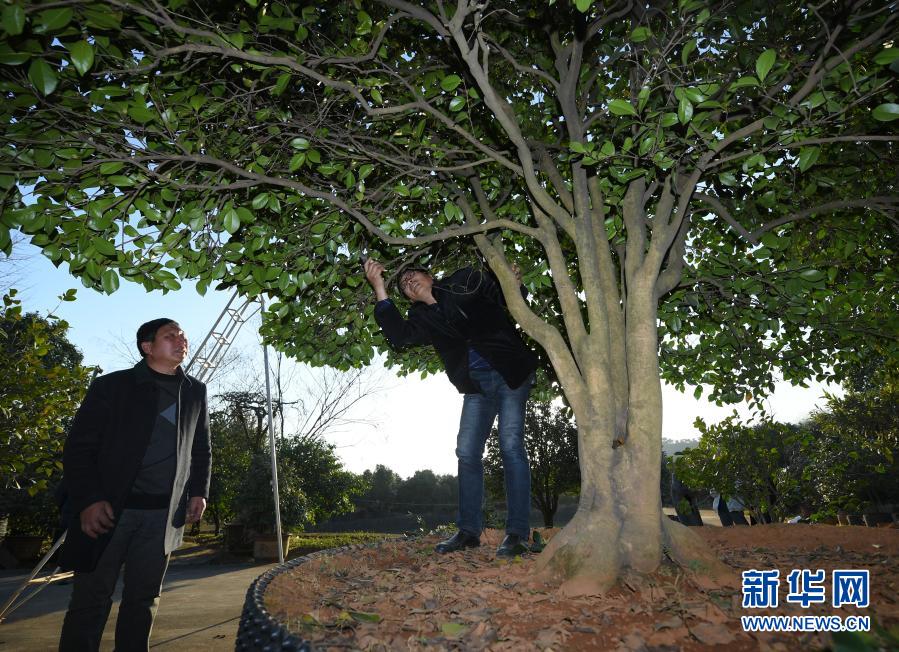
(845, 458)
(313, 485)
(170, 141)
(42, 382)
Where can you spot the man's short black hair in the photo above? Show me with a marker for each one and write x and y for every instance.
(147, 332)
(407, 270)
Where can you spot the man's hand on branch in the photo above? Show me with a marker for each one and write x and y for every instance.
(374, 274)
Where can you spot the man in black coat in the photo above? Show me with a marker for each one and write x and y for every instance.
(136, 465)
(463, 316)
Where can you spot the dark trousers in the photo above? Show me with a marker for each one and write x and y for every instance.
(729, 518)
(138, 544)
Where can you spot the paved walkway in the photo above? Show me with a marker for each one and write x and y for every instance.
(199, 610)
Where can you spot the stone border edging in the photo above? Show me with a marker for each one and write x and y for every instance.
(260, 631)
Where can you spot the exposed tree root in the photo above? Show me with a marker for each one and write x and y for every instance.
(583, 558)
(691, 553)
(593, 552)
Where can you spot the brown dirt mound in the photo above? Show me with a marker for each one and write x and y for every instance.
(402, 596)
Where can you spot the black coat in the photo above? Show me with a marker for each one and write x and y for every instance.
(106, 445)
(470, 312)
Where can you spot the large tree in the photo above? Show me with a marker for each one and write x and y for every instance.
(703, 191)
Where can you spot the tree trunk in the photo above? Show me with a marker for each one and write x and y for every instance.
(548, 515)
(619, 526)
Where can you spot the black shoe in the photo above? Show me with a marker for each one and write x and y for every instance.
(512, 546)
(458, 541)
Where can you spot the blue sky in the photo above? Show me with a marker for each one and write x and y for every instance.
(409, 424)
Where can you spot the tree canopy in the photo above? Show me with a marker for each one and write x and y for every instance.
(267, 145)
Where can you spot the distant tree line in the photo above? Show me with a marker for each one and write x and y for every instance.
(387, 493)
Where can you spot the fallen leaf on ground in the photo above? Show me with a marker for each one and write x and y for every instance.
(453, 629)
(712, 634)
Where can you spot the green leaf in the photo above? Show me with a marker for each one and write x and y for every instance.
(13, 19)
(583, 5)
(53, 20)
(110, 281)
(281, 84)
(646, 144)
(684, 110)
(365, 616)
(887, 56)
(744, 81)
(697, 393)
(42, 76)
(577, 148)
(141, 113)
(296, 161)
(5, 240)
(260, 201)
(363, 27)
(621, 107)
(455, 629)
(9, 58)
(457, 103)
(764, 63)
(236, 39)
(886, 112)
(807, 157)
(299, 143)
(640, 34)
(812, 275)
(668, 120)
(104, 246)
(687, 51)
(376, 96)
(231, 220)
(365, 170)
(608, 148)
(82, 56)
(450, 82)
(111, 168)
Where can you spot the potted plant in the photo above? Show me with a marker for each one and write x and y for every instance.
(32, 520)
(255, 506)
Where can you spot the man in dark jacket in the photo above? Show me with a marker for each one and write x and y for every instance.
(136, 465)
(464, 318)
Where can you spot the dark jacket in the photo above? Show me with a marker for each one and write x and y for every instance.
(470, 312)
(106, 445)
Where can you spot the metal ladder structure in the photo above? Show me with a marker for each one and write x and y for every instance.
(203, 364)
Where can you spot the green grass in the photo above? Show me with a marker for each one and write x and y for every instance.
(304, 543)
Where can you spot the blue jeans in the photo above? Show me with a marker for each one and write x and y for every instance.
(478, 413)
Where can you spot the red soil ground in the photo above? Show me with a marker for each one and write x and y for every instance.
(400, 596)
